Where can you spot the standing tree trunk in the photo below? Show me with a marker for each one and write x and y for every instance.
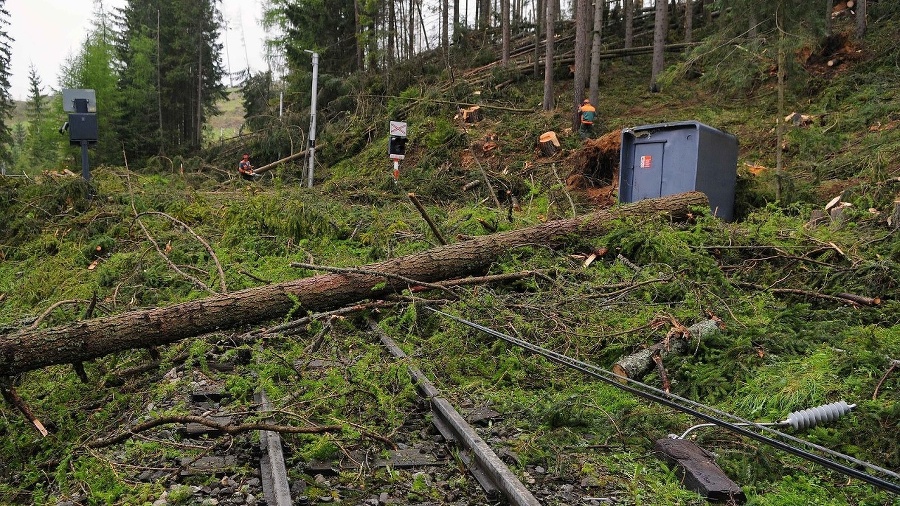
(688, 21)
(445, 25)
(198, 130)
(504, 22)
(550, 18)
(779, 124)
(861, 19)
(357, 22)
(412, 29)
(392, 36)
(538, 22)
(629, 27)
(581, 43)
(88, 339)
(597, 39)
(484, 14)
(660, 30)
(422, 23)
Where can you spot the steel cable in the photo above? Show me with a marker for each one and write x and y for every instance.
(693, 408)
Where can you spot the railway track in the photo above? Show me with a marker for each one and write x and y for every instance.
(391, 447)
(435, 456)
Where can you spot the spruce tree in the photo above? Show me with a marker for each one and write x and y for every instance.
(170, 75)
(6, 102)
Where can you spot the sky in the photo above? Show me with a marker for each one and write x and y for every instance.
(47, 32)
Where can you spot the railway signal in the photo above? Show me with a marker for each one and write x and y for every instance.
(397, 146)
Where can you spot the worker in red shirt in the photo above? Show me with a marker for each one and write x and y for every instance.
(587, 114)
(245, 168)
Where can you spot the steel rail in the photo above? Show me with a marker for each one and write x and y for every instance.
(486, 465)
(672, 401)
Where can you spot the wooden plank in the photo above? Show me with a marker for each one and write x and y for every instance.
(698, 470)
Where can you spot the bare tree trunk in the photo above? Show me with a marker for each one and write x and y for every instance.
(359, 35)
(198, 131)
(550, 18)
(861, 18)
(779, 124)
(162, 144)
(412, 29)
(422, 23)
(484, 14)
(538, 22)
(32, 349)
(581, 43)
(445, 25)
(504, 21)
(629, 27)
(688, 21)
(594, 92)
(660, 30)
(392, 35)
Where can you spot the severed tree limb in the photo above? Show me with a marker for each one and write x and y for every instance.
(165, 257)
(661, 370)
(627, 287)
(894, 364)
(843, 298)
(319, 338)
(225, 428)
(352, 270)
(12, 397)
(31, 349)
(424, 213)
(50, 309)
(205, 244)
(495, 278)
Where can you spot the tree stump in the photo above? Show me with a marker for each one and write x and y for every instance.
(549, 143)
(472, 114)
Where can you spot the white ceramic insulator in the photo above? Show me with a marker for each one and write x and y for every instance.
(813, 416)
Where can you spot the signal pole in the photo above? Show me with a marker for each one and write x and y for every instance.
(312, 116)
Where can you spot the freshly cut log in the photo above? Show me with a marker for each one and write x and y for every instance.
(32, 349)
(637, 365)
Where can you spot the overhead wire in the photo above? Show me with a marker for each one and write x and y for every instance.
(697, 409)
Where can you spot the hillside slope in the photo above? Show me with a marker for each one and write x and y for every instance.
(777, 278)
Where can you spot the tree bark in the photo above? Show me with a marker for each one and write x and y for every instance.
(597, 39)
(629, 26)
(688, 21)
(581, 44)
(32, 349)
(659, 43)
(550, 19)
(504, 24)
(861, 19)
(538, 22)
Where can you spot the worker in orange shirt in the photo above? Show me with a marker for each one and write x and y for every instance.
(587, 114)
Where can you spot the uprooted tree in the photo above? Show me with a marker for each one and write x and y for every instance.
(32, 349)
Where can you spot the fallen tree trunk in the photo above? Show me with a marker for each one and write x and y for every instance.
(32, 349)
(270, 166)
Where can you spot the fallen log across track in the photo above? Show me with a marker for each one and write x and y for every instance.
(32, 349)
